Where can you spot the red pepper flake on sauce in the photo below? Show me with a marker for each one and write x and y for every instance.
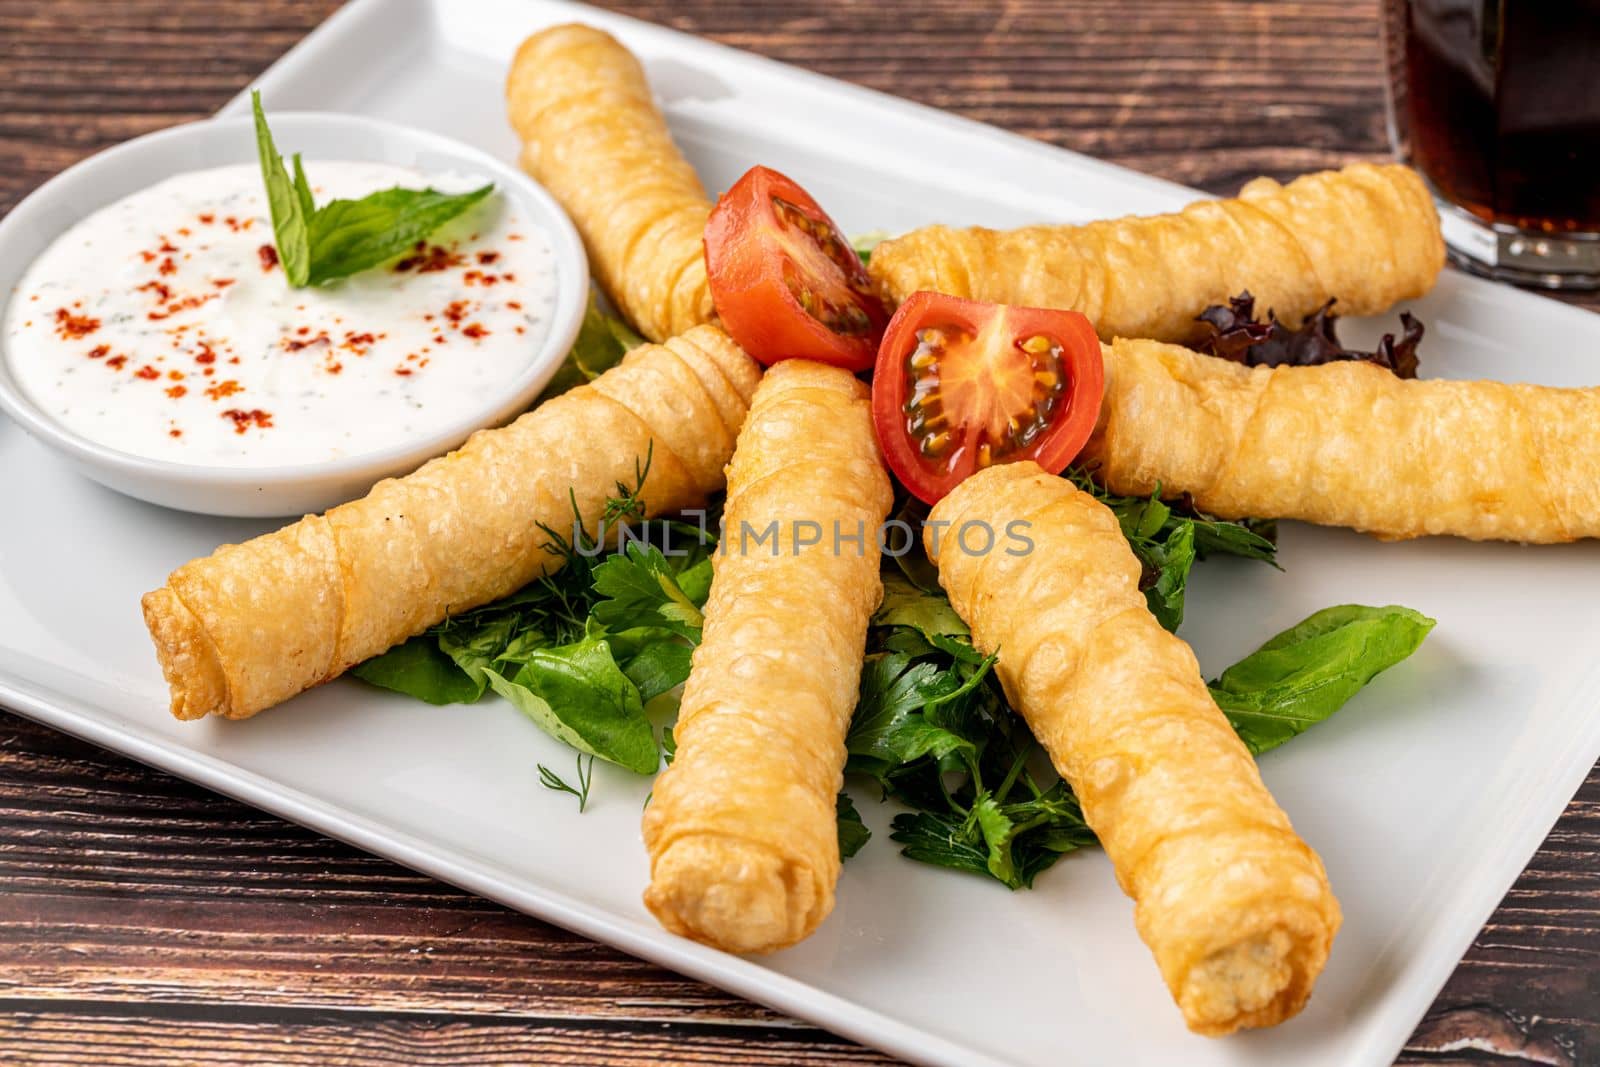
(296, 344)
(176, 391)
(225, 388)
(205, 355)
(167, 267)
(268, 256)
(174, 432)
(70, 326)
(99, 351)
(221, 283)
(426, 259)
(455, 311)
(243, 420)
(207, 217)
(486, 258)
(475, 331)
(188, 303)
(163, 293)
(147, 372)
(117, 362)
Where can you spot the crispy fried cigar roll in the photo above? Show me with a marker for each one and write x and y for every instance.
(251, 625)
(1350, 444)
(1368, 235)
(592, 134)
(1234, 906)
(744, 849)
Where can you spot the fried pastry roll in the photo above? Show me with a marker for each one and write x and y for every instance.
(741, 829)
(251, 625)
(1350, 444)
(593, 135)
(1368, 235)
(1234, 906)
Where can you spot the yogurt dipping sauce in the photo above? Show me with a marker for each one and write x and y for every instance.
(163, 326)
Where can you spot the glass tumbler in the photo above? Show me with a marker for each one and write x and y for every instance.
(1497, 104)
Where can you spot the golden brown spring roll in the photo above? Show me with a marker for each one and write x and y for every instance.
(741, 829)
(592, 135)
(1234, 906)
(251, 625)
(1350, 444)
(1368, 235)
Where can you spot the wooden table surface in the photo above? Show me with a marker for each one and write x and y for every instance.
(144, 920)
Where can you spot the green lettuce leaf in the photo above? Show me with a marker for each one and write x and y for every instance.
(419, 669)
(1308, 672)
(578, 695)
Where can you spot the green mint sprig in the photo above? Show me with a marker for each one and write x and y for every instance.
(344, 237)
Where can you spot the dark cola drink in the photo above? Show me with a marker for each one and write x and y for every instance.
(1497, 103)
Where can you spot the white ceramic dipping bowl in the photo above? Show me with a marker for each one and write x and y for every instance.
(296, 489)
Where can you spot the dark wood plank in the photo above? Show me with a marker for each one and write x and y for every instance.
(145, 921)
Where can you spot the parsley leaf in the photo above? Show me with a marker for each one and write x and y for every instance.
(853, 833)
(1169, 537)
(639, 588)
(344, 237)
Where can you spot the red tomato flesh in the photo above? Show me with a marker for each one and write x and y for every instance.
(960, 385)
(785, 281)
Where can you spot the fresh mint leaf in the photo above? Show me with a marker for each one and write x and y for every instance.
(350, 236)
(419, 669)
(302, 188)
(290, 220)
(1308, 672)
(579, 695)
(344, 237)
(853, 833)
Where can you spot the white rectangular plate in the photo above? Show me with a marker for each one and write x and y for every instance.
(1425, 796)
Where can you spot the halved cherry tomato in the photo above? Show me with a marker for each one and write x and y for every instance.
(961, 384)
(785, 281)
